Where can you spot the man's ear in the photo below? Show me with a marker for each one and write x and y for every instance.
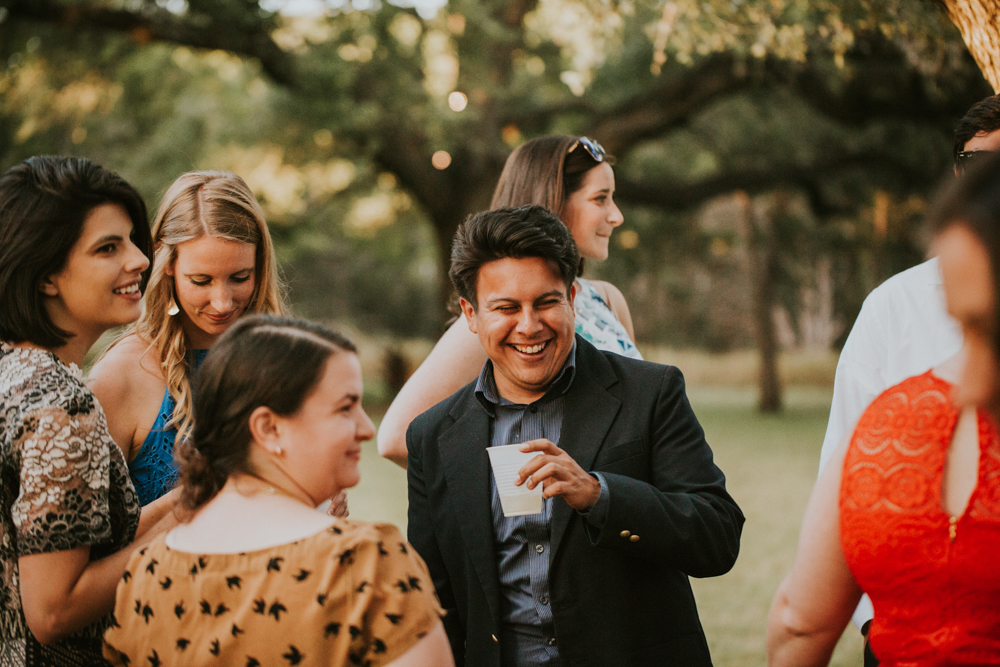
(470, 314)
(264, 428)
(572, 297)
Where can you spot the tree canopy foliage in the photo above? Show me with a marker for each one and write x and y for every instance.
(369, 134)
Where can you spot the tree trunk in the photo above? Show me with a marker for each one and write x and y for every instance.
(762, 246)
(979, 23)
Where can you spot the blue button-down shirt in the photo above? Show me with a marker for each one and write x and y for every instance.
(522, 542)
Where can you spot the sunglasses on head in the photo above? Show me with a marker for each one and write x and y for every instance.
(967, 159)
(595, 150)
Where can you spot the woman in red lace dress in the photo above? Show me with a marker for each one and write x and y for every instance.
(910, 511)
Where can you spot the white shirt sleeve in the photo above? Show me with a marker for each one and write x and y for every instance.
(860, 374)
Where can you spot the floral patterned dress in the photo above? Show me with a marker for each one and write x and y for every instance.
(596, 322)
(63, 484)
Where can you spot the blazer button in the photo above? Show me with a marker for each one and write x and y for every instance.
(634, 538)
(625, 533)
(552, 641)
(495, 639)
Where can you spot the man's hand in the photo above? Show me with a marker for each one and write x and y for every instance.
(338, 505)
(559, 475)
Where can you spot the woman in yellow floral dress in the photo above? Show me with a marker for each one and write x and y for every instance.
(257, 576)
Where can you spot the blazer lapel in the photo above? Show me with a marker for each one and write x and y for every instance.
(467, 473)
(590, 412)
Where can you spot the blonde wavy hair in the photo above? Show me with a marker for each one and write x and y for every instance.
(198, 204)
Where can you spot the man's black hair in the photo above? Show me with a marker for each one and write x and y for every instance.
(515, 233)
(984, 116)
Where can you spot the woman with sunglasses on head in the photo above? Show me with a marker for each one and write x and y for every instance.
(214, 263)
(572, 177)
(908, 510)
(75, 253)
(256, 576)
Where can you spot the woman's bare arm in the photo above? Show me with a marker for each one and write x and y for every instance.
(155, 513)
(63, 591)
(431, 651)
(814, 603)
(453, 363)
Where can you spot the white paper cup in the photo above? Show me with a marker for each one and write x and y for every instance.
(506, 460)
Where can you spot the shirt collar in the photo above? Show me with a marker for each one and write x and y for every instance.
(489, 397)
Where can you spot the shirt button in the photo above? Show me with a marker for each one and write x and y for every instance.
(634, 538)
(539, 548)
(625, 533)
(543, 599)
(552, 641)
(534, 408)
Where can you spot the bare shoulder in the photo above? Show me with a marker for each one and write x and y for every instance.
(127, 364)
(129, 386)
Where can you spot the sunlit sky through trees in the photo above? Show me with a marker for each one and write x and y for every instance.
(426, 8)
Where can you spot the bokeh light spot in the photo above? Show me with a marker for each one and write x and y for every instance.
(441, 159)
(628, 239)
(323, 138)
(457, 101)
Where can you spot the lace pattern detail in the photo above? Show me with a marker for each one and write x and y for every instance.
(985, 502)
(63, 484)
(932, 579)
(898, 450)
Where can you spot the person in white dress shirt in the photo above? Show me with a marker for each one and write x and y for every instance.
(903, 328)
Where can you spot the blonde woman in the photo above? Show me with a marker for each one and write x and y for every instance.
(214, 262)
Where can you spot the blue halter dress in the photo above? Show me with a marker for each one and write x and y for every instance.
(153, 470)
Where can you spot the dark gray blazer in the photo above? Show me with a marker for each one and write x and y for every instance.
(619, 596)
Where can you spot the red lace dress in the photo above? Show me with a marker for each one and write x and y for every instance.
(934, 580)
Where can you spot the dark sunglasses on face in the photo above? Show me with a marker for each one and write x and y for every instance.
(595, 150)
(967, 159)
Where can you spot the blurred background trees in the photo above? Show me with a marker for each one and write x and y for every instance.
(774, 156)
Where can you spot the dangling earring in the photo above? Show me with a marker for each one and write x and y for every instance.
(173, 309)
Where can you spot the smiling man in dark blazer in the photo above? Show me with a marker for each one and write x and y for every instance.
(633, 501)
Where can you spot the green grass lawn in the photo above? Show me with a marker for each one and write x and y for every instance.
(770, 463)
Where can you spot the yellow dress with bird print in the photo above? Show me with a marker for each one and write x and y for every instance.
(353, 594)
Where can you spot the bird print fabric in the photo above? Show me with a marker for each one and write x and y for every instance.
(353, 594)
